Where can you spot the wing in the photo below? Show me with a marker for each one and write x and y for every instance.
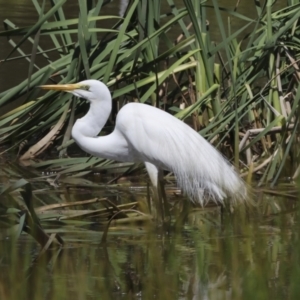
(161, 139)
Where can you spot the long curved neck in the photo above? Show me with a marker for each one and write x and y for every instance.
(92, 123)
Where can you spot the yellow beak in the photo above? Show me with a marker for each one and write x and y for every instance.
(62, 87)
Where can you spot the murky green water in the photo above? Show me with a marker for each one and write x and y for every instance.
(250, 253)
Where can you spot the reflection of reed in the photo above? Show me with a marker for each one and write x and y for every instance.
(208, 258)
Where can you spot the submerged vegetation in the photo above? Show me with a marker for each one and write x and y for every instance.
(213, 254)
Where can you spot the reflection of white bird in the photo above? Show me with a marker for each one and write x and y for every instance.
(147, 134)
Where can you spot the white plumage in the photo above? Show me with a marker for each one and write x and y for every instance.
(147, 134)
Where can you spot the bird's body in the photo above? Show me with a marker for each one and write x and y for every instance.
(147, 134)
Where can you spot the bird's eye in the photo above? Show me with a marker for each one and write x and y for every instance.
(85, 87)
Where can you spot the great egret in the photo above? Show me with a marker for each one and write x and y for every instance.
(147, 134)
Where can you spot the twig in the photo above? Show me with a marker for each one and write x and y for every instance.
(252, 132)
(261, 165)
(281, 98)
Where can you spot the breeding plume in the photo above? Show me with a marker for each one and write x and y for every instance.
(147, 134)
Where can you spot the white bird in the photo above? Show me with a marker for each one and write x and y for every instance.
(147, 134)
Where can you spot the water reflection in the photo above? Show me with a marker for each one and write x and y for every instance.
(213, 255)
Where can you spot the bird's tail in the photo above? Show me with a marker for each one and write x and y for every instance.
(210, 177)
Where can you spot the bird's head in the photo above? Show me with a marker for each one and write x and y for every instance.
(92, 90)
